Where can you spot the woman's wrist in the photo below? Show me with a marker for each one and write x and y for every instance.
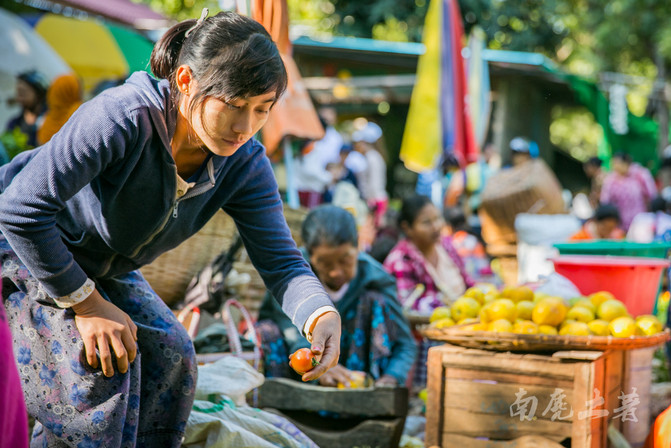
(309, 326)
(88, 304)
(81, 294)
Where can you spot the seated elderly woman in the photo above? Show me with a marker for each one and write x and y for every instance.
(375, 337)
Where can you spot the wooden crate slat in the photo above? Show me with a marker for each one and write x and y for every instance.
(436, 384)
(588, 432)
(637, 373)
(504, 427)
(497, 398)
(503, 362)
(505, 377)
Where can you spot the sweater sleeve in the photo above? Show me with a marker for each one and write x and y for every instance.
(257, 210)
(37, 185)
(270, 309)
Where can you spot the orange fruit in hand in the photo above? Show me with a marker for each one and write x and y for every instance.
(303, 360)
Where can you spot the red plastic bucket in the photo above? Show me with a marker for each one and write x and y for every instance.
(632, 280)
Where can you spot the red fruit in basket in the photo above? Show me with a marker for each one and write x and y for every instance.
(303, 360)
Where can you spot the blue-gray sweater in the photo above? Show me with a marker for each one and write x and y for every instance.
(99, 199)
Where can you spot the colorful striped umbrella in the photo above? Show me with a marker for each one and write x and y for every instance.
(439, 121)
(96, 51)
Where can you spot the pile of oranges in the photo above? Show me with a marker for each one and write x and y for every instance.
(519, 310)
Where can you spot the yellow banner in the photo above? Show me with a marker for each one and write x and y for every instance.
(422, 139)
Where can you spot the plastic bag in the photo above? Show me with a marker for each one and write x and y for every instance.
(221, 418)
(558, 286)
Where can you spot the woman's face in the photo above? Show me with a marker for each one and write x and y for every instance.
(25, 94)
(223, 126)
(425, 229)
(334, 265)
(606, 227)
(620, 166)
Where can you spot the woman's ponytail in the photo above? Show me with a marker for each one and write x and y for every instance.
(165, 56)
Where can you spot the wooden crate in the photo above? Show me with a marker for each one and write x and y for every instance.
(472, 394)
(637, 374)
(370, 417)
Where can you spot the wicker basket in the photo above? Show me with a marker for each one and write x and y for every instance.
(537, 343)
(528, 188)
(171, 272)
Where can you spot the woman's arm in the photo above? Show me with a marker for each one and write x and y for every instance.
(257, 210)
(271, 309)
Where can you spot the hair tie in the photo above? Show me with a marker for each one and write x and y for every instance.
(203, 16)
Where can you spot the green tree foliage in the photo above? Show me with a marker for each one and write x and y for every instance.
(380, 19)
(183, 9)
(530, 25)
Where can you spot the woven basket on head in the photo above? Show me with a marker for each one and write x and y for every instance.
(171, 272)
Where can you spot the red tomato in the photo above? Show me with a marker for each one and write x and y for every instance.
(303, 360)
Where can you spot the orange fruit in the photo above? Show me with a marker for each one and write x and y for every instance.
(623, 327)
(524, 309)
(520, 293)
(464, 307)
(611, 309)
(547, 329)
(475, 293)
(525, 327)
(441, 312)
(598, 298)
(584, 302)
(649, 325)
(498, 309)
(575, 329)
(549, 311)
(442, 323)
(303, 360)
(580, 313)
(500, 326)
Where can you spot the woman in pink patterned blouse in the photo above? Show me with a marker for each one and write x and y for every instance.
(429, 272)
(629, 186)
